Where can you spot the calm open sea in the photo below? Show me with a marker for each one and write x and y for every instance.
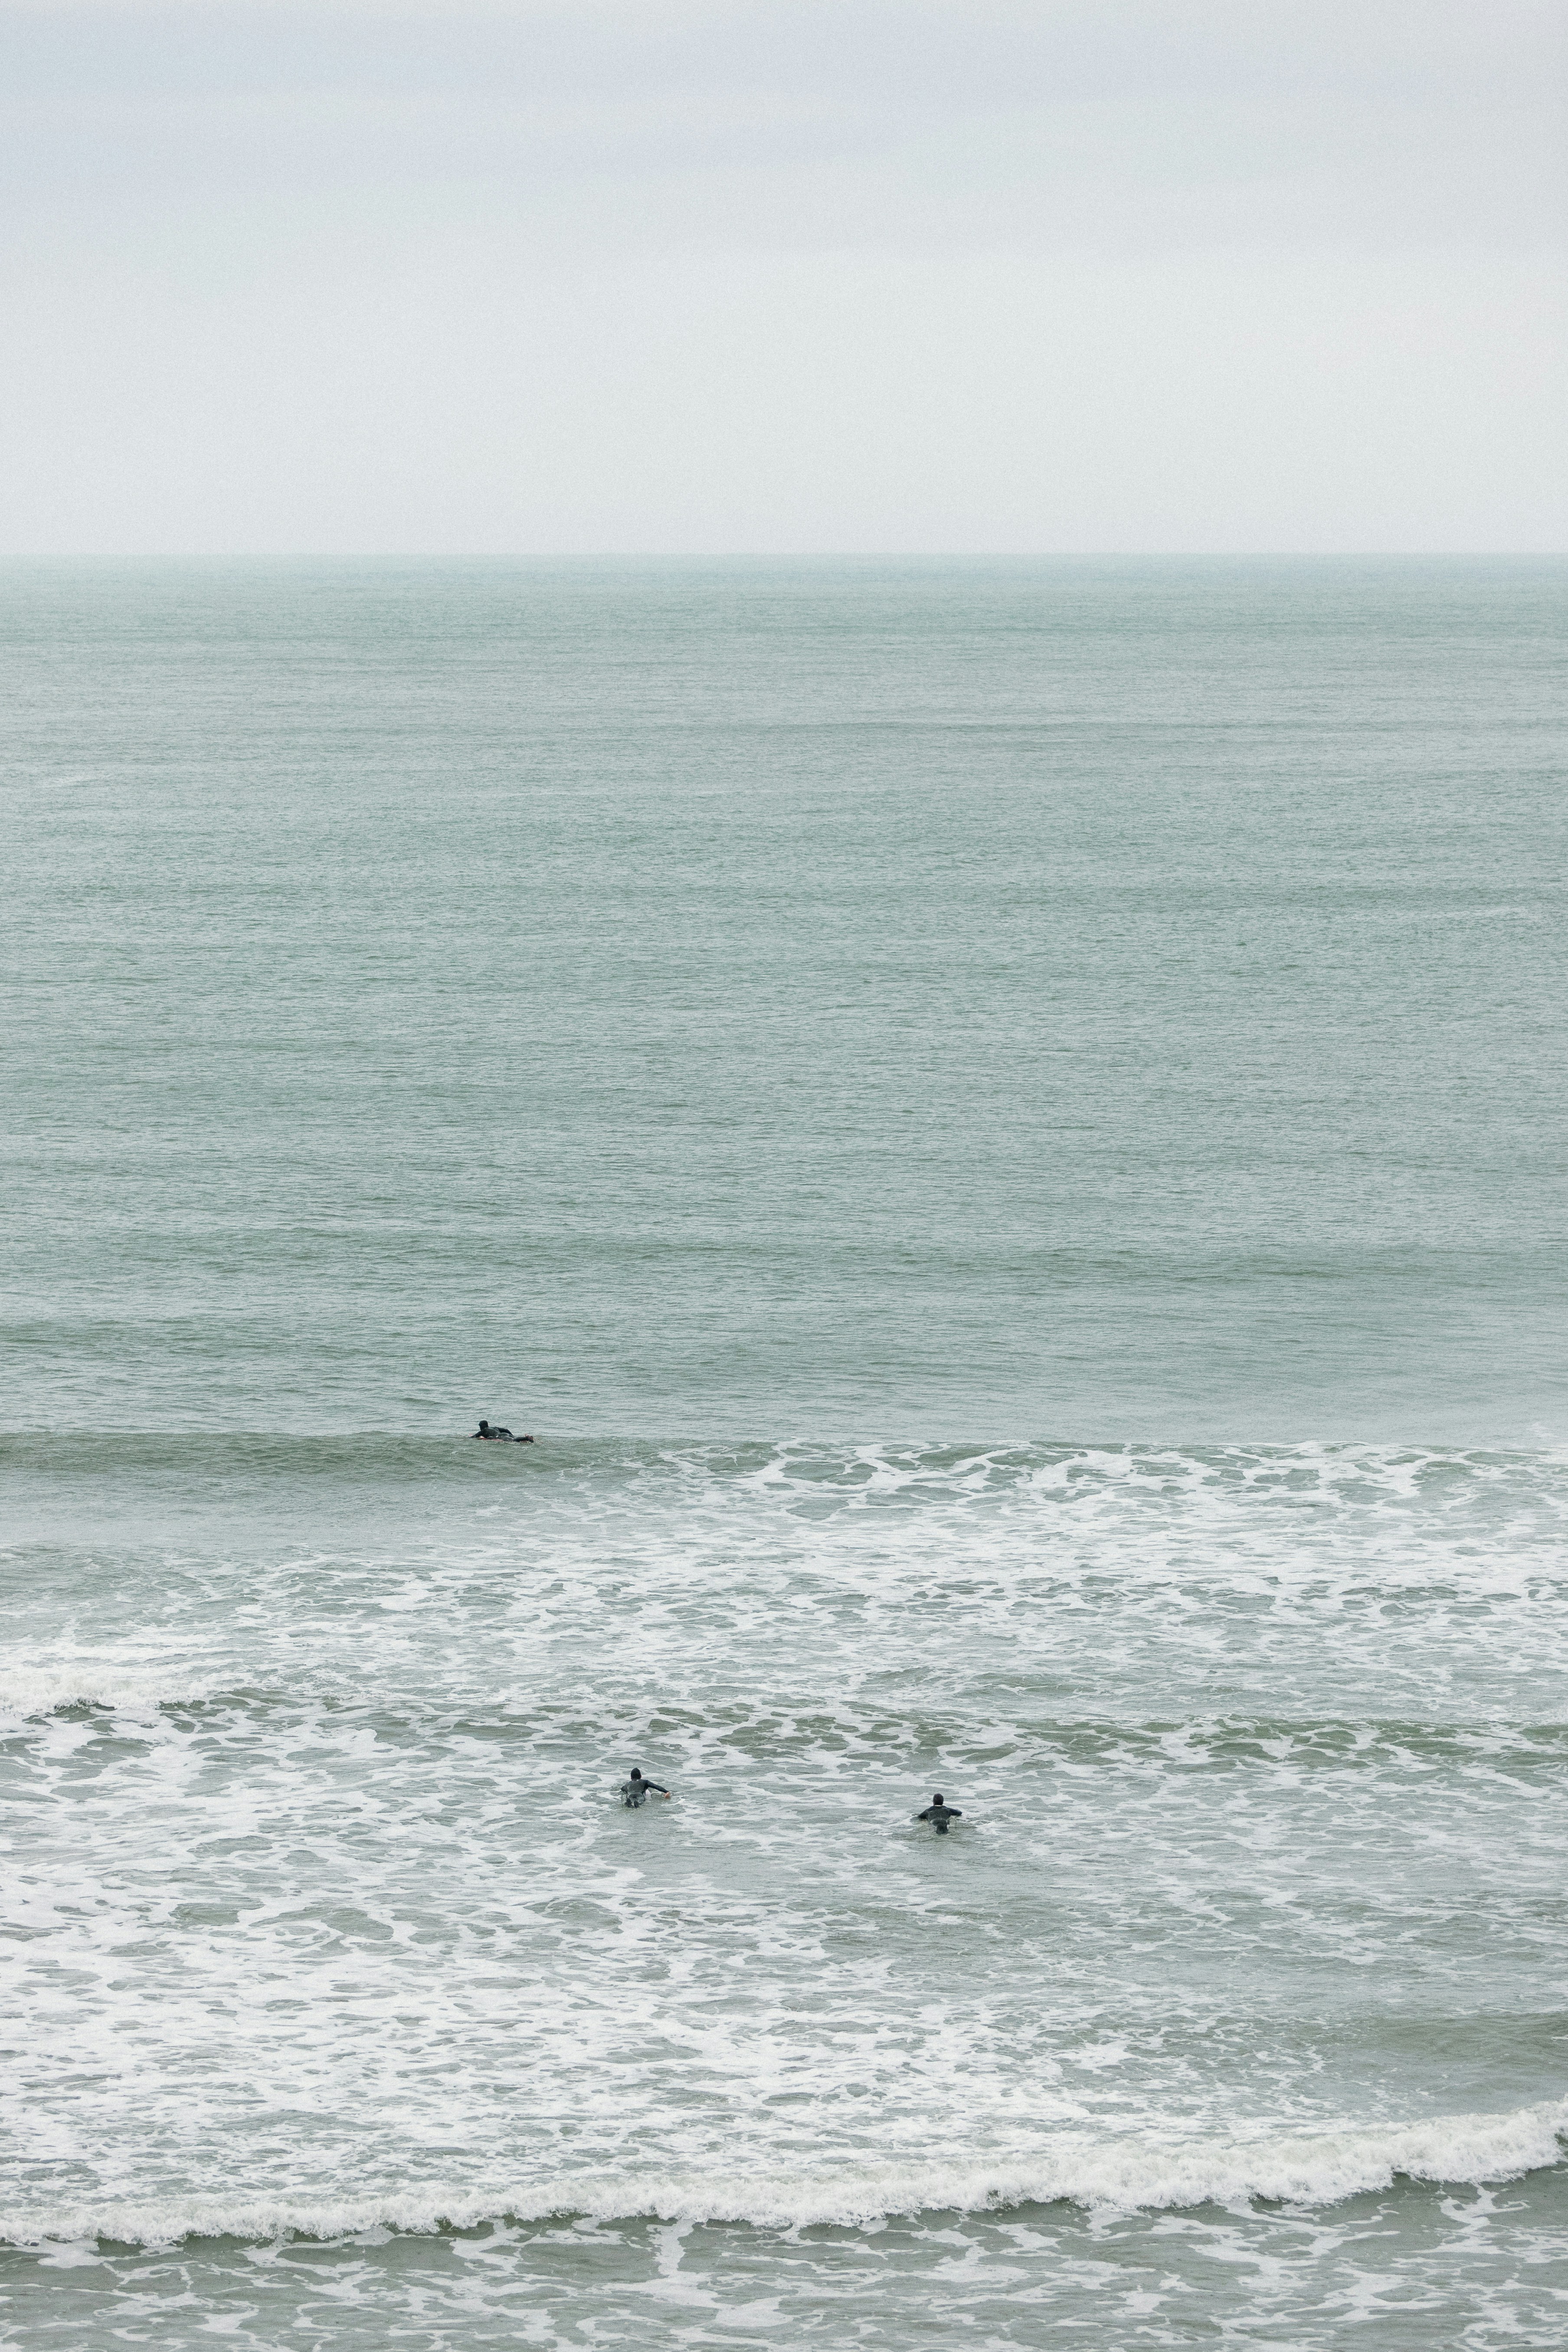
(1003, 1124)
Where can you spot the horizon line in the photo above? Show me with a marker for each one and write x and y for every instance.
(783, 555)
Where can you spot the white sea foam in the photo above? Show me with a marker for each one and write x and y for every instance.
(116, 1684)
(1306, 2168)
(1264, 1796)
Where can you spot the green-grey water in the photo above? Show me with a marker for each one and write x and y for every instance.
(1001, 1125)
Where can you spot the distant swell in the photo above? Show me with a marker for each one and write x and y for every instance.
(1299, 2168)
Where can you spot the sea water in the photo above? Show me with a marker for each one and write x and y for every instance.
(1002, 1126)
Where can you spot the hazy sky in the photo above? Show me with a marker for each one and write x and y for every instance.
(639, 275)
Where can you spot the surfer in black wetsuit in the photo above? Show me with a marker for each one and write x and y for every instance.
(637, 1791)
(939, 1814)
(504, 1436)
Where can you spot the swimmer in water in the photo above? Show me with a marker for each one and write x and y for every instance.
(637, 1791)
(939, 1813)
(503, 1435)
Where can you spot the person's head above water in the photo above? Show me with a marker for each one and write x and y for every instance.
(483, 1426)
(939, 1798)
(637, 1772)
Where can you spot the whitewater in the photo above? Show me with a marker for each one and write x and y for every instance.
(330, 1927)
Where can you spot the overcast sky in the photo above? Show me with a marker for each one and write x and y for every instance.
(640, 275)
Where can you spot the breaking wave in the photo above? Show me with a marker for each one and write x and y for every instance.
(1310, 2168)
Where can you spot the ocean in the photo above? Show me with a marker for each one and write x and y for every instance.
(1002, 1126)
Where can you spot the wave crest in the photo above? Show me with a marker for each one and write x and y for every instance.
(1297, 2168)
